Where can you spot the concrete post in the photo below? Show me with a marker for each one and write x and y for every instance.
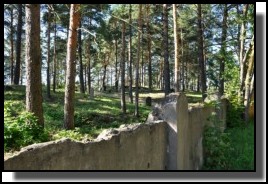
(183, 133)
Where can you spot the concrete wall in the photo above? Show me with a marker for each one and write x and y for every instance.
(171, 139)
(185, 126)
(133, 147)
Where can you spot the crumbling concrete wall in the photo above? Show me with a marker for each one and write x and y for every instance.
(185, 126)
(131, 147)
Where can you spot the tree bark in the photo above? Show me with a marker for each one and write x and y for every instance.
(248, 81)
(70, 63)
(33, 62)
(182, 62)
(81, 77)
(116, 71)
(88, 63)
(130, 56)
(223, 49)
(137, 64)
(176, 44)
(85, 77)
(166, 62)
(48, 53)
(55, 59)
(11, 47)
(123, 98)
(149, 50)
(142, 62)
(201, 54)
(18, 46)
(104, 75)
(241, 53)
(186, 66)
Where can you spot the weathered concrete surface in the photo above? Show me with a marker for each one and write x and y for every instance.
(183, 133)
(141, 146)
(167, 110)
(199, 117)
(185, 126)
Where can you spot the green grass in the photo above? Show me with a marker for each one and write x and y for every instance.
(91, 115)
(231, 150)
(242, 141)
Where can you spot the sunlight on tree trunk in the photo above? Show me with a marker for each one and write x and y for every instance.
(123, 97)
(201, 54)
(137, 64)
(176, 44)
(18, 46)
(33, 62)
(48, 52)
(70, 63)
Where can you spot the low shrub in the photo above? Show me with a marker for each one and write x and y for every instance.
(21, 130)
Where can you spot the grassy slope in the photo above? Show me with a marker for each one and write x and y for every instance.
(91, 115)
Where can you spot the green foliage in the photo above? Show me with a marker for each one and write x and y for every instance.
(72, 134)
(234, 117)
(232, 149)
(21, 130)
(91, 117)
(242, 156)
(216, 145)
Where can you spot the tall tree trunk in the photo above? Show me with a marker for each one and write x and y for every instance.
(33, 62)
(142, 61)
(81, 77)
(241, 52)
(88, 63)
(111, 77)
(18, 46)
(70, 63)
(85, 77)
(161, 71)
(201, 54)
(186, 66)
(11, 47)
(137, 64)
(248, 85)
(149, 50)
(48, 53)
(116, 71)
(223, 49)
(198, 84)
(176, 44)
(238, 31)
(123, 98)
(55, 59)
(182, 62)
(104, 76)
(130, 56)
(166, 62)
(21, 75)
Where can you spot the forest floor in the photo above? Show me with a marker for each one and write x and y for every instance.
(92, 116)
